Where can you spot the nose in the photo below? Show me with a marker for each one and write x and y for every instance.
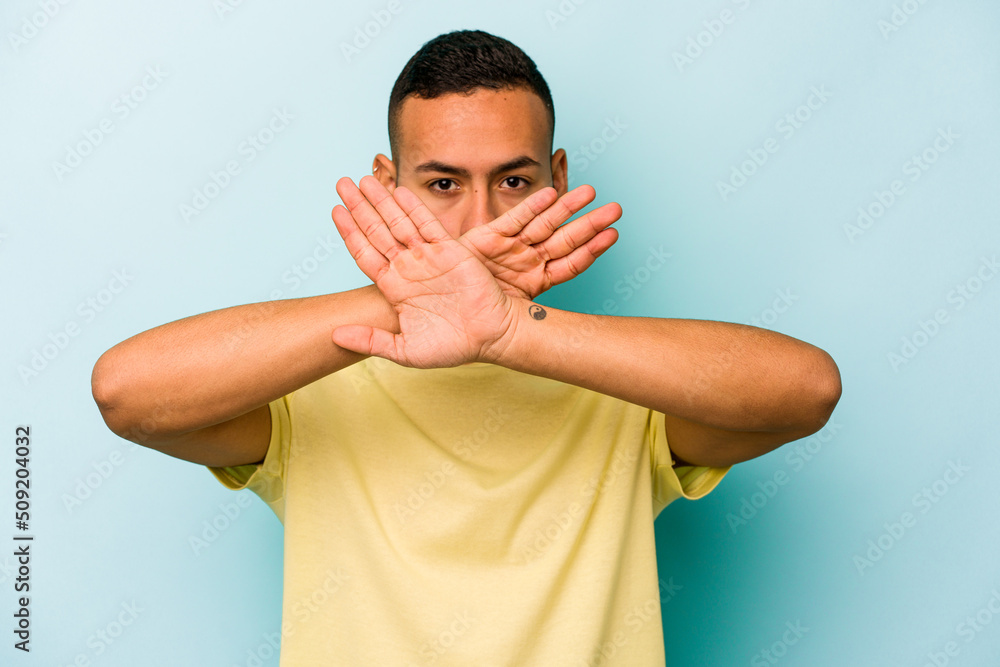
(482, 209)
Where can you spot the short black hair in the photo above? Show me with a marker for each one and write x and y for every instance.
(459, 62)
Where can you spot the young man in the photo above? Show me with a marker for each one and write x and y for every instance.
(464, 476)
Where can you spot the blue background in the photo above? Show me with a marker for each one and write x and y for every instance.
(694, 93)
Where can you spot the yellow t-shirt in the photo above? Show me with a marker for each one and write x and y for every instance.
(473, 515)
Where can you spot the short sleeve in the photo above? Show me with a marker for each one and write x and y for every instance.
(670, 483)
(267, 478)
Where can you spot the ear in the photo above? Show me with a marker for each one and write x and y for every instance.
(385, 171)
(559, 180)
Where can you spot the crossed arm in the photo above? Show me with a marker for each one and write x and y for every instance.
(729, 392)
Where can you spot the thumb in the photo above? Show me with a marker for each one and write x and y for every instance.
(366, 340)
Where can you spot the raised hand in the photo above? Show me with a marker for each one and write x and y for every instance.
(527, 250)
(451, 309)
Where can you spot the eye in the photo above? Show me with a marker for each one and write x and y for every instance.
(443, 185)
(516, 178)
(447, 181)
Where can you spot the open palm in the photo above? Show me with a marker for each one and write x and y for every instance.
(451, 309)
(528, 249)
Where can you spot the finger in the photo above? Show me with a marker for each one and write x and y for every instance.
(400, 225)
(563, 209)
(513, 221)
(368, 219)
(367, 340)
(569, 267)
(430, 227)
(371, 262)
(574, 234)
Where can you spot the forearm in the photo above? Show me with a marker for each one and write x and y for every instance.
(209, 368)
(727, 376)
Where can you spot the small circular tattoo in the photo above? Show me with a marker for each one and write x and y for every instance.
(537, 312)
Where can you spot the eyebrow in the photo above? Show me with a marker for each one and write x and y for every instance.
(441, 167)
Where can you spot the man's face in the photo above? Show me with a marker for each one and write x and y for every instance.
(472, 157)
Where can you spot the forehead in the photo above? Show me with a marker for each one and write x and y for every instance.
(474, 130)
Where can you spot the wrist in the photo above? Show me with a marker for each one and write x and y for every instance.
(509, 345)
(382, 314)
